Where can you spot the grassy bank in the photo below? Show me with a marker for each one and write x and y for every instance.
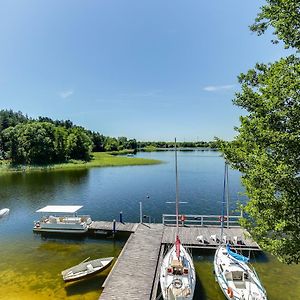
(99, 159)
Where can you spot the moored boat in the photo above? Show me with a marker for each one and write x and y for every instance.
(177, 276)
(62, 219)
(4, 212)
(177, 273)
(86, 269)
(236, 278)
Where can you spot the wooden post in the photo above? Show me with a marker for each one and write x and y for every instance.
(114, 227)
(141, 212)
(121, 217)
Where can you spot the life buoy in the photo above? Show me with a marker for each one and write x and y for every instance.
(230, 292)
(224, 218)
(177, 283)
(182, 218)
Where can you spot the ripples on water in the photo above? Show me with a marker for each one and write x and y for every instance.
(30, 266)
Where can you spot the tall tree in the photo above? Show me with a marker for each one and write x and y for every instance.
(284, 17)
(266, 149)
(79, 144)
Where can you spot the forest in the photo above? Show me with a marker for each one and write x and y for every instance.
(25, 140)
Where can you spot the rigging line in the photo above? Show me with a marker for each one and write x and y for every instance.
(177, 190)
(227, 194)
(223, 204)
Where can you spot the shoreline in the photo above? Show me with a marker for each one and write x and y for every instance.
(99, 159)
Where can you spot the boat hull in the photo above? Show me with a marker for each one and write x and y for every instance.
(4, 212)
(175, 286)
(235, 278)
(60, 230)
(83, 272)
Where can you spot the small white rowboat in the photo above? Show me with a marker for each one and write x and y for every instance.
(86, 269)
(4, 212)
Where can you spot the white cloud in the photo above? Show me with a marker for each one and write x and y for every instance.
(214, 88)
(66, 94)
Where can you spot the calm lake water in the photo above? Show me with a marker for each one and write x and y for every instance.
(30, 266)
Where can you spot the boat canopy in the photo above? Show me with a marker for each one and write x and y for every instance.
(71, 209)
(235, 255)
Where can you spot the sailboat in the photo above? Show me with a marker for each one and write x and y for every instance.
(177, 274)
(236, 277)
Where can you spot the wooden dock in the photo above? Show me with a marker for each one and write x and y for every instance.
(133, 273)
(208, 237)
(108, 226)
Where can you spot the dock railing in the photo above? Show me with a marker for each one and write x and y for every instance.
(202, 220)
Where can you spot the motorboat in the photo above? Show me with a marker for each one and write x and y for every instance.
(86, 269)
(4, 212)
(177, 273)
(236, 278)
(62, 219)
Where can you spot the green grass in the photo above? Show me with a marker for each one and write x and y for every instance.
(99, 159)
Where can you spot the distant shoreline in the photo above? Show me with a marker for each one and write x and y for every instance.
(99, 159)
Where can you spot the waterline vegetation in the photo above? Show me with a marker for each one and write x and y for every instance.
(98, 159)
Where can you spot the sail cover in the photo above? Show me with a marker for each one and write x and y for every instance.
(235, 255)
(177, 246)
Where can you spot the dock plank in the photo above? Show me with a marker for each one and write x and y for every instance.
(108, 226)
(188, 236)
(133, 276)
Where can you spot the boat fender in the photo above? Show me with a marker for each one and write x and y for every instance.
(37, 224)
(177, 283)
(230, 292)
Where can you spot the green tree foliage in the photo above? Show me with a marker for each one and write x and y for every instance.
(111, 144)
(167, 145)
(79, 144)
(10, 118)
(43, 143)
(266, 150)
(98, 141)
(30, 143)
(284, 17)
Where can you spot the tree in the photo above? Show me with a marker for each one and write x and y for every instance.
(284, 17)
(111, 144)
(10, 118)
(79, 144)
(266, 151)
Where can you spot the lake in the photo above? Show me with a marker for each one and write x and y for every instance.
(30, 266)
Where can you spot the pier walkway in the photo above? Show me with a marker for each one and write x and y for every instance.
(132, 276)
(135, 275)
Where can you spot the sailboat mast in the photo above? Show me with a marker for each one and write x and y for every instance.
(177, 191)
(223, 202)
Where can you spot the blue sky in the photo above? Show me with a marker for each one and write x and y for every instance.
(145, 69)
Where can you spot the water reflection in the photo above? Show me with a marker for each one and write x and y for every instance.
(32, 265)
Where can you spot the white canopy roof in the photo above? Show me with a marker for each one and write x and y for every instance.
(60, 209)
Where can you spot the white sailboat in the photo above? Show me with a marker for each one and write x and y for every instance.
(177, 274)
(237, 279)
